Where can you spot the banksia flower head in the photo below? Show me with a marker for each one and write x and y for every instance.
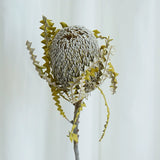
(71, 51)
(74, 65)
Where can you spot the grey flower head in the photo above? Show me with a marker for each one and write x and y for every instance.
(71, 50)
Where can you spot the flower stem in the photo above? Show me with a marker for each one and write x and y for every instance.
(76, 151)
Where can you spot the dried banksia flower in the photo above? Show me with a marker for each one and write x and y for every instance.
(72, 50)
(74, 65)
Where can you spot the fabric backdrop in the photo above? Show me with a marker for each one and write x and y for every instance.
(31, 127)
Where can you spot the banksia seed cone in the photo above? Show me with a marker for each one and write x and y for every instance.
(72, 50)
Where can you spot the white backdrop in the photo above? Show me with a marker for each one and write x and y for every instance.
(31, 127)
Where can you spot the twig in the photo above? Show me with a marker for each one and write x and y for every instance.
(76, 151)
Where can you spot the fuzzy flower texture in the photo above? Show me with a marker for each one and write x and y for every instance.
(74, 64)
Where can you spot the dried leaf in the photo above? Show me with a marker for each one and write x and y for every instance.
(63, 24)
(113, 76)
(56, 97)
(106, 124)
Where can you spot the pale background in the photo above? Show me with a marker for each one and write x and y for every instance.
(31, 127)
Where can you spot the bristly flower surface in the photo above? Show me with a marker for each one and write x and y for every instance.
(74, 64)
(72, 49)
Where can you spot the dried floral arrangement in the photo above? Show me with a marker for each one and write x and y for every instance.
(74, 65)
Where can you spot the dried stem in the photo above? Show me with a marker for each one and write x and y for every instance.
(76, 151)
